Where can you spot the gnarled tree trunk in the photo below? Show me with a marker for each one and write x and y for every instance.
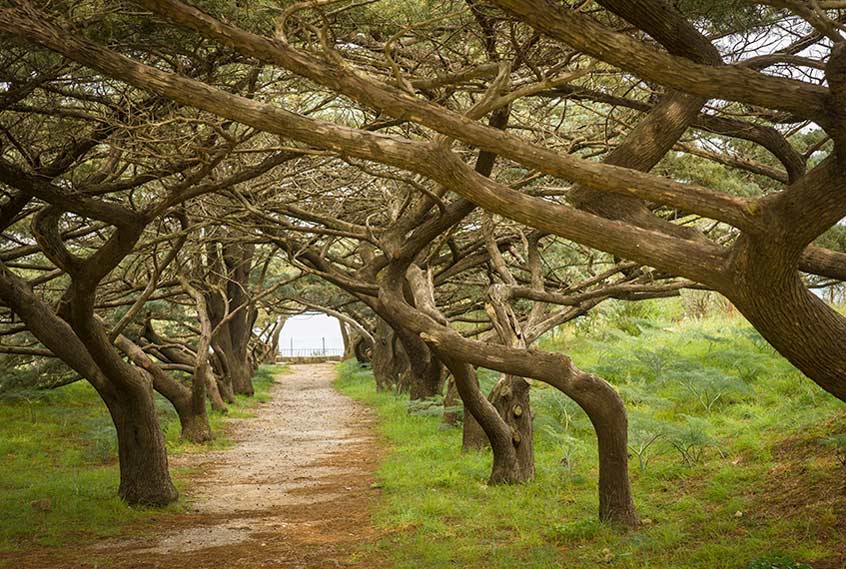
(144, 476)
(510, 397)
(189, 403)
(388, 360)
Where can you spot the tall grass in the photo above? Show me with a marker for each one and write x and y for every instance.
(714, 413)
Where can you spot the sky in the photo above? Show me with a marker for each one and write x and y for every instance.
(307, 332)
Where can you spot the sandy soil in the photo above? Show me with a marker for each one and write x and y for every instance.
(294, 491)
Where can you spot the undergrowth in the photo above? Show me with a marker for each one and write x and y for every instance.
(735, 461)
(58, 463)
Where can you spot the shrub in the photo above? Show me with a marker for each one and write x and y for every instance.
(567, 443)
(428, 407)
(644, 432)
(556, 410)
(691, 440)
(709, 387)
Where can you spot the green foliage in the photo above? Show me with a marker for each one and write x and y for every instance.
(776, 562)
(568, 445)
(21, 375)
(645, 435)
(558, 412)
(691, 440)
(709, 387)
(696, 475)
(838, 444)
(430, 406)
(60, 446)
(631, 317)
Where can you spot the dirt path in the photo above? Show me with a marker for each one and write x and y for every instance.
(294, 491)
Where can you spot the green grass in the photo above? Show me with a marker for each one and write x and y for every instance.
(763, 485)
(60, 446)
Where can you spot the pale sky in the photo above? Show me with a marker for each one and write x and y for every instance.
(307, 332)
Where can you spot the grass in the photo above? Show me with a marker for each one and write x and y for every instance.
(764, 482)
(60, 446)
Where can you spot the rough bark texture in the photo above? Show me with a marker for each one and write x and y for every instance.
(424, 369)
(451, 400)
(129, 393)
(510, 397)
(506, 468)
(189, 403)
(363, 350)
(144, 476)
(213, 389)
(389, 360)
(232, 316)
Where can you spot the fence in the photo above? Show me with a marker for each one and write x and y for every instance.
(321, 351)
(310, 352)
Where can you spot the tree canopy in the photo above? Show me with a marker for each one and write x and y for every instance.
(451, 179)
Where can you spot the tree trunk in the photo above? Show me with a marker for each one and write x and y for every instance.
(197, 428)
(241, 374)
(346, 336)
(451, 399)
(473, 437)
(388, 360)
(271, 349)
(506, 468)
(232, 317)
(144, 476)
(768, 290)
(425, 378)
(213, 391)
(363, 350)
(510, 397)
(226, 391)
(190, 404)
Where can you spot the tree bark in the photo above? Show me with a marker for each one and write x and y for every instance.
(506, 468)
(213, 389)
(424, 368)
(144, 476)
(510, 397)
(233, 317)
(389, 361)
(189, 403)
(363, 350)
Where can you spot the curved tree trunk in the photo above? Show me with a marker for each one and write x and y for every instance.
(190, 404)
(222, 378)
(240, 374)
(506, 468)
(424, 369)
(213, 390)
(451, 400)
(363, 350)
(473, 437)
(769, 292)
(144, 476)
(347, 339)
(595, 396)
(232, 318)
